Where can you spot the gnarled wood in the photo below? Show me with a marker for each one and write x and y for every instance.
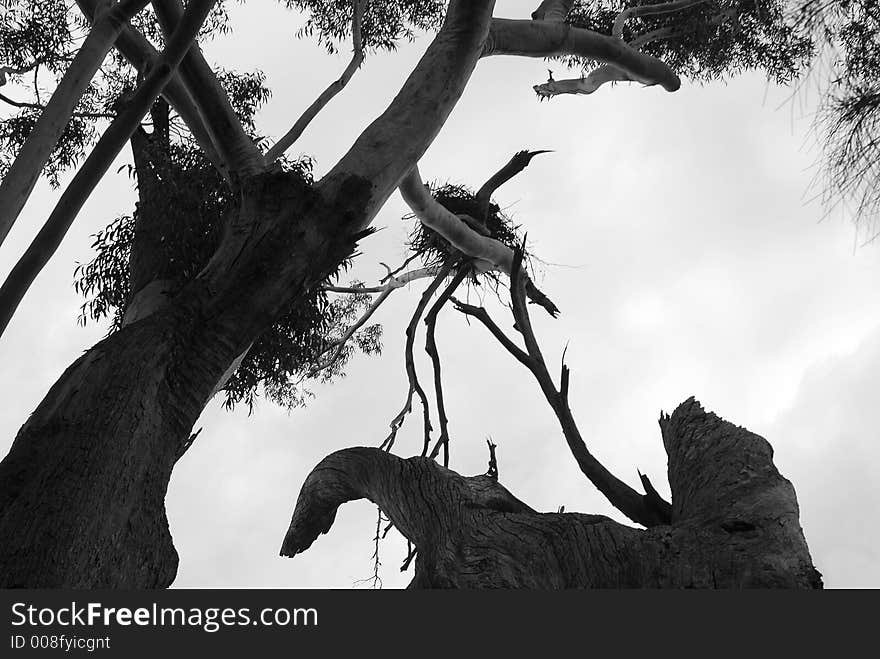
(735, 520)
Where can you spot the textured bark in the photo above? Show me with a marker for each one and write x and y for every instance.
(82, 488)
(735, 520)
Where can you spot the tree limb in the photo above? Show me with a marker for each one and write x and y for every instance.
(357, 58)
(549, 39)
(388, 148)
(514, 166)
(412, 378)
(93, 169)
(17, 185)
(140, 53)
(484, 249)
(431, 349)
(552, 10)
(649, 10)
(648, 510)
(233, 143)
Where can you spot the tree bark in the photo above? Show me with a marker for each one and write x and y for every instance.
(735, 520)
(82, 488)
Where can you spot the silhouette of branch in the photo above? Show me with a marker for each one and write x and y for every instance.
(412, 377)
(99, 160)
(489, 254)
(431, 349)
(228, 134)
(514, 166)
(648, 509)
(357, 58)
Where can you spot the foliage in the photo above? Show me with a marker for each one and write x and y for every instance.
(848, 121)
(708, 41)
(385, 22)
(194, 202)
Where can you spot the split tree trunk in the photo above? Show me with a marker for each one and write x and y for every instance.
(734, 523)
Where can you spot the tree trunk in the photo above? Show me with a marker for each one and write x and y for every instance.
(82, 489)
(735, 520)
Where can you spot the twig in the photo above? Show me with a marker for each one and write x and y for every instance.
(384, 291)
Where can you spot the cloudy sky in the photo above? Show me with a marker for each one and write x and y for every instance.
(680, 244)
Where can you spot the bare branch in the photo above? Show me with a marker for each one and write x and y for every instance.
(649, 10)
(357, 58)
(484, 249)
(649, 509)
(483, 316)
(17, 185)
(412, 377)
(583, 85)
(548, 39)
(229, 136)
(93, 169)
(514, 166)
(431, 349)
(384, 291)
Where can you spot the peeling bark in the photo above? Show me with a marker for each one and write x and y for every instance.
(735, 521)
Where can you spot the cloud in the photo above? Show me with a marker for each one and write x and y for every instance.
(827, 445)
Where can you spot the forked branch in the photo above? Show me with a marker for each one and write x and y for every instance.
(336, 347)
(646, 509)
(489, 254)
(431, 349)
(17, 185)
(218, 116)
(93, 169)
(414, 387)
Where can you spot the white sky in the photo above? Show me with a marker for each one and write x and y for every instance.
(689, 264)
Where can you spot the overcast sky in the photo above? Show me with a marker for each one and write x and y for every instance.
(686, 261)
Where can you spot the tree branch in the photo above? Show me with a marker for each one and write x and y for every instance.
(552, 10)
(357, 58)
(549, 39)
(141, 55)
(93, 169)
(648, 510)
(483, 316)
(649, 10)
(384, 291)
(485, 250)
(17, 185)
(514, 166)
(412, 377)
(232, 142)
(393, 143)
(431, 349)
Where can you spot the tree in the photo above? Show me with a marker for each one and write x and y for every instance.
(84, 483)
